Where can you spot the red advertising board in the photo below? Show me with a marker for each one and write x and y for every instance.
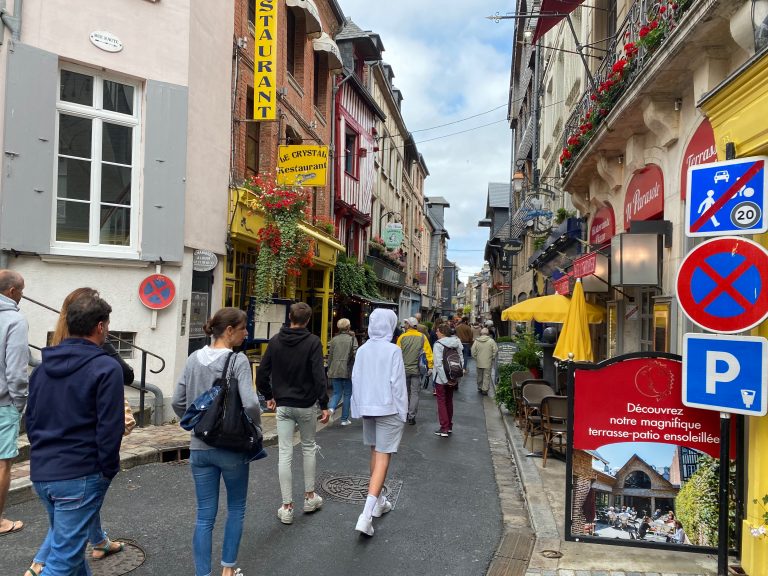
(603, 226)
(562, 285)
(700, 150)
(645, 195)
(585, 265)
(639, 400)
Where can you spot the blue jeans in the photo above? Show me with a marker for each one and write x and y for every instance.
(341, 386)
(208, 467)
(71, 506)
(96, 535)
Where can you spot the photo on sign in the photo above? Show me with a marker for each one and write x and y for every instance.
(642, 467)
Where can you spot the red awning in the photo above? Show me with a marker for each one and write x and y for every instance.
(551, 13)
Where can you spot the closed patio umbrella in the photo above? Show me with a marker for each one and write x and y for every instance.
(552, 308)
(574, 337)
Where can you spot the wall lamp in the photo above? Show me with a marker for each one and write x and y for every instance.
(636, 260)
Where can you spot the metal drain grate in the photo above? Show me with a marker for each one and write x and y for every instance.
(123, 562)
(352, 489)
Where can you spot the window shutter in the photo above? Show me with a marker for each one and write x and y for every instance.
(165, 165)
(28, 150)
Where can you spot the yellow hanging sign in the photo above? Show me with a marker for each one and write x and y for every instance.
(302, 165)
(265, 61)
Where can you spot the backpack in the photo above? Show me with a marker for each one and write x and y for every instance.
(452, 364)
(423, 364)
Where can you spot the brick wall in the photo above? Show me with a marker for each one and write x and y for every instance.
(298, 111)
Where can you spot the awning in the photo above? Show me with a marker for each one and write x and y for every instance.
(326, 44)
(311, 14)
(551, 13)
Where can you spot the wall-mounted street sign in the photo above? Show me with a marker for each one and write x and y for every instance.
(302, 165)
(727, 198)
(722, 284)
(204, 260)
(106, 41)
(157, 291)
(393, 235)
(726, 373)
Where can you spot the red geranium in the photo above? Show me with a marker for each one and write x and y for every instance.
(643, 31)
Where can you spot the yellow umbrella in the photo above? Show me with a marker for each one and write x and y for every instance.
(552, 308)
(574, 337)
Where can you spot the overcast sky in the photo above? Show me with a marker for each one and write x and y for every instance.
(451, 63)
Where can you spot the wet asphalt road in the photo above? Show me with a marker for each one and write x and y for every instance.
(446, 519)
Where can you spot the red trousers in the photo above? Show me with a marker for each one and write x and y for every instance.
(445, 406)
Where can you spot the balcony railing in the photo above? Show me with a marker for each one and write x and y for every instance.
(645, 29)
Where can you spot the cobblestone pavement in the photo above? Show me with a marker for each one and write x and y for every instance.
(598, 573)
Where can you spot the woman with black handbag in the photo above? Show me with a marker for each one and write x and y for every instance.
(207, 366)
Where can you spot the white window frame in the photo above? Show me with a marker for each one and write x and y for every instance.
(98, 115)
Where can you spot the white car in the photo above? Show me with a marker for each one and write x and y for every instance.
(722, 175)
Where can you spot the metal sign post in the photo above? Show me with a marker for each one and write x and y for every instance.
(722, 521)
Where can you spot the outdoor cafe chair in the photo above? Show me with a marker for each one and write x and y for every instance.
(533, 393)
(517, 394)
(554, 421)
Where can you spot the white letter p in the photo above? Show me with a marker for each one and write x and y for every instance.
(713, 376)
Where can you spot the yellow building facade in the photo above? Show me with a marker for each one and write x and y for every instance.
(736, 110)
(314, 286)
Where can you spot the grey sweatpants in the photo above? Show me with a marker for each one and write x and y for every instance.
(287, 419)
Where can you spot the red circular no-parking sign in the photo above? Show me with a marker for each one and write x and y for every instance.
(722, 284)
(157, 291)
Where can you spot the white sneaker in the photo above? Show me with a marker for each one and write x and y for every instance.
(314, 503)
(346, 422)
(285, 515)
(381, 509)
(364, 525)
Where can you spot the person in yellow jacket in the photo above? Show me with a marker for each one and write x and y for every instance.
(413, 344)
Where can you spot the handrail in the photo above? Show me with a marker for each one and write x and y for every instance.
(144, 354)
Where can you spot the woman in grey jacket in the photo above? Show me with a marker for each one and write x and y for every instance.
(446, 338)
(210, 464)
(341, 355)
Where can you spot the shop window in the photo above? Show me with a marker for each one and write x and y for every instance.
(350, 153)
(661, 326)
(647, 319)
(98, 129)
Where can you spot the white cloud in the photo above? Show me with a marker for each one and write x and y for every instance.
(450, 62)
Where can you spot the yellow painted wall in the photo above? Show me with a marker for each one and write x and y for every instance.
(737, 113)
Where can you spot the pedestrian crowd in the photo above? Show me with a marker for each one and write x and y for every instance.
(76, 413)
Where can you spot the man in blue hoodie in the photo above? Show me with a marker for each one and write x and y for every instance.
(75, 424)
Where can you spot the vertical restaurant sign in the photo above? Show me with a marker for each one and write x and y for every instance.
(585, 265)
(640, 400)
(302, 165)
(562, 285)
(265, 61)
(700, 150)
(645, 195)
(603, 226)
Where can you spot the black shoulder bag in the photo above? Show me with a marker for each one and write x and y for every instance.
(225, 424)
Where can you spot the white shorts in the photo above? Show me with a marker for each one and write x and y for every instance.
(383, 432)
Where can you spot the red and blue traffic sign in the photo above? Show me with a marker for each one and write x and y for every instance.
(722, 284)
(727, 197)
(157, 291)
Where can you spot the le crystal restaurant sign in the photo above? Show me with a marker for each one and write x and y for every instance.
(265, 61)
(645, 195)
(302, 165)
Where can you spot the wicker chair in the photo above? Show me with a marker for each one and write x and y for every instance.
(554, 421)
(517, 393)
(534, 391)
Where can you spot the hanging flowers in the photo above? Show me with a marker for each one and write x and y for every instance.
(284, 250)
(761, 530)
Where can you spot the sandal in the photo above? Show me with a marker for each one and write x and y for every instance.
(32, 572)
(107, 549)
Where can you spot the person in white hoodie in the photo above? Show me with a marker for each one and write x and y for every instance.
(380, 398)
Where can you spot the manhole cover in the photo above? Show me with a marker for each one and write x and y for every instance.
(551, 554)
(354, 489)
(126, 561)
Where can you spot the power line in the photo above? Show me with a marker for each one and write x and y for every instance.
(461, 119)
(461, 132)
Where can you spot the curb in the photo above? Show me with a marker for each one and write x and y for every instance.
(22, 490)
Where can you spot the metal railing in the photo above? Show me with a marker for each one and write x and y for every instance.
(635, 30)
(144, 354)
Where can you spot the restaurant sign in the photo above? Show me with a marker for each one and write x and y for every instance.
(603, 226)
(562, 285)
(302, 165)
(700, 150)
(265, 61)
(585, 265)
(645, 195)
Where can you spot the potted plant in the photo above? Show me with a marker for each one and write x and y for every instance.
(528, 353)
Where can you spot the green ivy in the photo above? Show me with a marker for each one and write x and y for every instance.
(697, 503)
(503, 392)
(352, 279)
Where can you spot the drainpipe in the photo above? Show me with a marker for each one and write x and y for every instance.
(334, 104)
(13, 22)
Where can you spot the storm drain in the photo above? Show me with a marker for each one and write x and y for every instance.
(123, 562)
(352, 489)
